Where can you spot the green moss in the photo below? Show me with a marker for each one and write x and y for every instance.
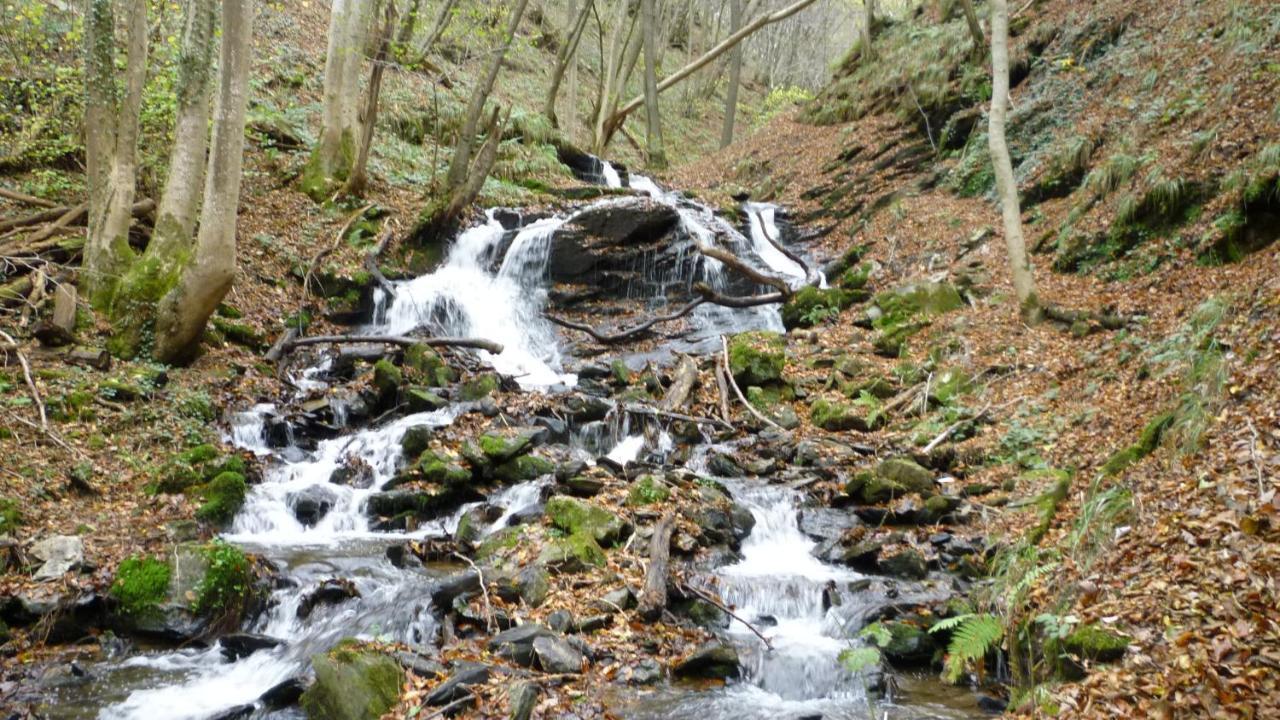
(141, 585)
(223, 496)
(495, 543)
(414, 441)
(757, 358)
(199, 454)
(1094, 642)
(238, 333)
(838, 416)
(479, 387)
(647, 491)
(579, 517)
(10, 515)
(621, 373)
(387, 378)
(227, 582)
(523, 468)
(567, 552)
(877, 490)
(444, 469)
(353, 682)
(810, 306)
(428, 366)
(855, 278)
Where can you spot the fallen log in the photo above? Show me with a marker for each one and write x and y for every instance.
(678, 393)
(653, 596)
(730, 260)
(25, 198)
(474, 343)
(95, 358)
(43, 216)
(724, 345)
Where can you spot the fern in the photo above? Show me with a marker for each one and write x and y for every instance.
(974, 636)
(950, 623)
(860, 658)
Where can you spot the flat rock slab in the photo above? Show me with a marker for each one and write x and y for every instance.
(59, 554)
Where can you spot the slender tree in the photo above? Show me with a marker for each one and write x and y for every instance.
(369, 118)
(566, 58)
(657, 156)
(868, 30)
(735, 77)
(335, 152)
(975, 28)
(1019, 265)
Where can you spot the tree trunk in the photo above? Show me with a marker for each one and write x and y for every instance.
(332, 158)
(441, 24)
(657, 155)
(566, 57)
(356, 182)
(653, 596)
(180, 201)
(111, 142)
(975, 28)
(868, 30)
(735, 77)
(461, 163)
(1019, 265)
(615, 121)
(407, 28)
(607, 96)
(206, 279)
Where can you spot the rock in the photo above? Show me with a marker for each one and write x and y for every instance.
(423, 400)
(991, 704)
(283, 695)
(810, 305)
(606, 239)
(620, 599)
(922, 298)
(723, 466)
(523, 469)
(309, 506)
(428, 366)
(823, 524)
(442, 468)
(757, 358)
(473, 522)
(516, 644)
(703, 614)
(239, 712)
(420, 503)
(713, 661)
(836, 416)
(353, 682)
(453, 587)
(645, 672)
(455, 688)
(478, 388)
(572, 554)
(419, 664)
(353, 472)
(583, 486)
(555, 655)
(909, 646)
(415, 440)
(386, 380)
(58, 554)
(582, 409)
(1094, 642)
(329, 592)
(522, 697)
(908, 474)
(647, 490)
(560, 620)
(533, 585)
(241, 645)
(579, 517)
(907, 564)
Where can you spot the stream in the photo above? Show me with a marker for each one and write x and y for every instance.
(493, 285)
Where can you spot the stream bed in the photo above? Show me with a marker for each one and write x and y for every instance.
(493, 285)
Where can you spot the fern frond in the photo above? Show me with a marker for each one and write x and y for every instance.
(858, 659)
(971, 641)
(949, 623)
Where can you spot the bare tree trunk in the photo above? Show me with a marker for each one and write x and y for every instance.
(180, 201)
(111, 142)
(615, 120)
(607, 95)
(975, 28)
(441, 24)
(407, 28)
(735, 77)
(206, 279)
(868, 30)
(1019, 265)
(356, 182)
(565, 58)
(657, 155)
(466, 140)
(334, 154)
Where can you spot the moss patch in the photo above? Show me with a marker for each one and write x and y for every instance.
(227, 581)
(10, 515)
(578, 517)
(811, 306)
(223, 497)
(141, 585)
(757, 358)
(353, 682)
(647, 491)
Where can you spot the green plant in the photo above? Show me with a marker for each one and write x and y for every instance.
(141, 585)
(857, 659)
(973, 635)
(227, 580)
(1115, 172)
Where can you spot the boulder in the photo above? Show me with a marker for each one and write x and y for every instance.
(836, 416)
(353, 682)
(442, 468)
(908, 474)
(415, 440)
(423, 400)
(241, 645)
(572, 554)
(907, 564)
(757, 358)
(822, 524)
(58, 555)
(454, 689)
(580, 517)
(517, 643)
(715, 660)
(810, 306)
(522, 697)
(328, 592)
(555, 655)
(910, 645)
(609, 237)
(310, 505)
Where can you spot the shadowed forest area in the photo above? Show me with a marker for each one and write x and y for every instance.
(714, 359)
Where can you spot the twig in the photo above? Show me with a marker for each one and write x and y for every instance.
(627, 334)
(443, 710)
(810, 276)
(724, 344)
(928, 129)
(952, 428)
(727, 611)
(337, 239)
(26, 373)
(404, 340)
(646, 410)
(484, 592)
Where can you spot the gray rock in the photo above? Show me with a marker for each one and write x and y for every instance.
(555, 655)
(516, 644)
(455, 688)
(609, 237)
(522, 697)
(824, 524)
(309, 506)
(713, 661)
(645, 672)
(240, 645)
(59, 555)
(907, 564)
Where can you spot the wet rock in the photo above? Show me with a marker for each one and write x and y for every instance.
(419, 664)
(523, 469)
(453, 587)
(724, 466)
(329, 592)
(473, 522)
(557, 429)
(309, 506)
(823, 524)
(419, 503)
(608, 237)
(572, 554)
(283, 695)
(583, 486)
(516, 644)
(353, 682)
(861, 555)
(478, 387)
(522, 697)
(992, 704)
(620, 599)
(582, 409)
(423, 400)
(910, 645)
(907, 564)
(579, 517)
(555, 655)
(703, 614)
(713, 661)
(560, 621)
(836, 416)
(58, 554)
(242, 645)
(455, 688)
(239, 712)
(353, 472)
(415, 440)
(645, 672)
(757, 358)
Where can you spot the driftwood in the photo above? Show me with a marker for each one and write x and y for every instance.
(653, 596)
(627, 334)
(723, 389)
(475, 343)
(678, 393)
(635, 409)
(730, 260)
(26, 373)
(724, 345)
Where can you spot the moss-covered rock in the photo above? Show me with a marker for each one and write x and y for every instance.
(226, 583)
(580, 517)
(223, 497)
(423, 400)
(239, 333)
(387, 379)
(876, 490)
(811, 305)
(353, 682)
(415, 440)
(837, 416)
(855, 278)
(479, 387)
(572, 553)
(428, 366)
(908, 474)
(141, 585)
(647, 490)
(439, 467)
(907, 564)
(523, 468)
(1094, 642)
(757, 358)
(496, 542)
(910, 645)
(774, 403)
(10, 515)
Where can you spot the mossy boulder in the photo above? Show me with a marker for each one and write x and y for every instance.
(811, 305)
(442, 468)
(573, 553)
(478, 388)
(757, 358)
(223, 497)
(353, 682)
(423, 400)
(835, 416)
(415, 440)
(855, 278)
(498, 541)
(908, 474)
(580, 517)
(647, 490)
(926, 298)
(907, 564)
(141, 585)
(910, 645)
(523, 468)
(178, 598)
(387, 379)
(427, 366)
(1094, 642)
(196, 466)
(497, 448)
(774, 403)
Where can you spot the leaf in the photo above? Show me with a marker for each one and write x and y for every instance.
(949, 623)
(859, 659)
(877, 633)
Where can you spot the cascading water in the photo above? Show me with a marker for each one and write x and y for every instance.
(482, 290)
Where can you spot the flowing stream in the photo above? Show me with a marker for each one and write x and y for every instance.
(777, 583)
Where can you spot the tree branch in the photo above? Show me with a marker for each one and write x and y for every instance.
(402, 340)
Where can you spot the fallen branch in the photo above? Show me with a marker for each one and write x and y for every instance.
(724, 345)
(25, 198)
(686, 377)
(653, 597)
(402, 340)
(810, 277)
(74, 215)
(942, 436)
(708, 598)
(484, 592)
(738, 301)
(26, 373)
(1110, 321)
(646, 410)
(627, 334)
(732, 261)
